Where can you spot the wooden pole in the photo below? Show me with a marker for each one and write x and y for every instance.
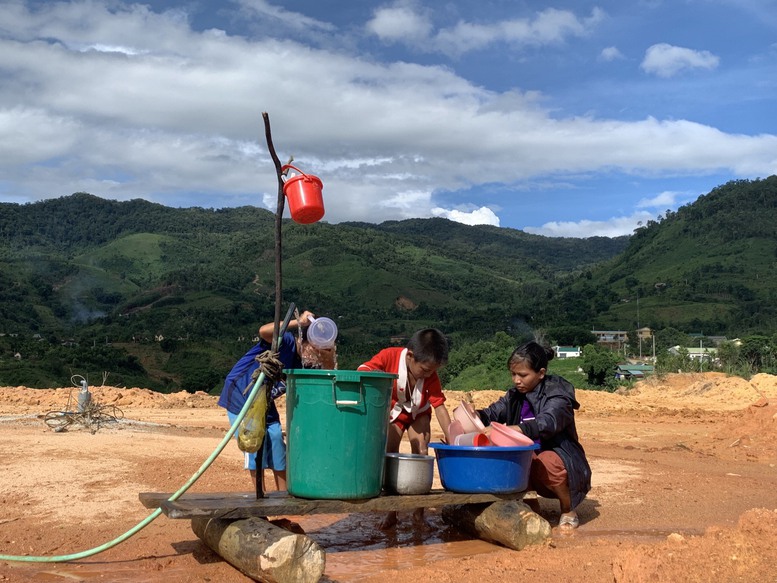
(278, 278)
(278, 274)
(278, 224)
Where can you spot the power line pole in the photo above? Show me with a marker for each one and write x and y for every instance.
(653, 335)
(639, 334)
(701, 356)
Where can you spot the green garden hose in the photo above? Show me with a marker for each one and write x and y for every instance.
(181, 491)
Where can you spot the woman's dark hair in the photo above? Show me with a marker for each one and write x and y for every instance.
(429, 345)
(535, 355)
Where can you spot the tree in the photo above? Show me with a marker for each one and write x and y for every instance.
(728, 355)
(757, 352)
(168, 345)
(669, 337)
(489, 357)
(675, 362)
(201, 379)
(572, 335)
(599, 365)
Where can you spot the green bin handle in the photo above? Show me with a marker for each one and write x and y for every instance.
(347, 378)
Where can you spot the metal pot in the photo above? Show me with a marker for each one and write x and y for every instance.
(408, 473)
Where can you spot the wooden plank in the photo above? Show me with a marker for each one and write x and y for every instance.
(235, 505)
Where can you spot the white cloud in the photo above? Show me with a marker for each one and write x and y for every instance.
(666, 60)
(663, 200)
(613, 227)
(610, 54)
(33, 136)
(175, 116)
(402, 22)
(481, 216)
(101, 48)
(279, 16)
(407, 202)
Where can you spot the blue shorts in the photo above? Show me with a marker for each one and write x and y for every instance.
(274, 451)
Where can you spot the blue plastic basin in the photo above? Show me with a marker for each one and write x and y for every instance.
(477, 470)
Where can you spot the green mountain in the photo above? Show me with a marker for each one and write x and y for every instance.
(80, 271)
(709, 267)
(169, 297)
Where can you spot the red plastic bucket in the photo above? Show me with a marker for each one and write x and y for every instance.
(306, 204)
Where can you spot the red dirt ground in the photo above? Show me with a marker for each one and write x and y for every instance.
(684, 490)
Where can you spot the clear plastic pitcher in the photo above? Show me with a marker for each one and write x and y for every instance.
(322, 333)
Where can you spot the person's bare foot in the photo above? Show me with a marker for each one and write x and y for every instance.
(419, 519)
(389, 522)
(568, 521)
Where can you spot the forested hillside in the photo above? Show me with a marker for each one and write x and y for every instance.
(169, 298)
(88, 272)
(710, 267)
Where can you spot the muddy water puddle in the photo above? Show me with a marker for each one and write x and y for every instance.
(356, 546)
(362, 532)
(351, 566)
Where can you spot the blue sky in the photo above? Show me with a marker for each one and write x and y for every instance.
(557, 118)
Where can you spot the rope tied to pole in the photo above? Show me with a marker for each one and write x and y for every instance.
(270, 365)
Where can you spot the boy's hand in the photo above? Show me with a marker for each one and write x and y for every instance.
(304, 318)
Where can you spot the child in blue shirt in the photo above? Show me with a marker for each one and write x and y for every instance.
(294, 352)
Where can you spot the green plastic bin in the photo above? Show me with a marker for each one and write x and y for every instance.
(336, 427)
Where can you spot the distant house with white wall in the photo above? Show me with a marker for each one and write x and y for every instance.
(696, 353)
(567, 351)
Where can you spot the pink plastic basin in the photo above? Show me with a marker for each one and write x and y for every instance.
(504, 436)
(470, 422)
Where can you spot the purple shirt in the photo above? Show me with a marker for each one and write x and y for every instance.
(527, 413)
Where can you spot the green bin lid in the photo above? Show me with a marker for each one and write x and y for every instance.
(340, 374)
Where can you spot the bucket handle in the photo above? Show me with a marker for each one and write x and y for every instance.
(285, 167)
(340, 402)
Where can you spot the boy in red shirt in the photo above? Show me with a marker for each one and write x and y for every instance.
(415, 393)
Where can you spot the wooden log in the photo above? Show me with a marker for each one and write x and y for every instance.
(510, 523)
(263, 551)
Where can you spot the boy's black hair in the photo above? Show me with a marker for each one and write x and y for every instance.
(429, 345)
(536, 355)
